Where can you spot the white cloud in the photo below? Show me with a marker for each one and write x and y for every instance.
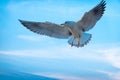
(112, 75)
(36, 38)
(29, 38)
(60, 76)
(67, 76)
(30, 53)
(111, 56)
(107, 54)
(62, 52)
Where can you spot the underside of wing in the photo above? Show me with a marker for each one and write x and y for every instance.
(90, 18)
(47, 28)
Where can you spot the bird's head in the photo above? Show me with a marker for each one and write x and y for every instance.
(69, 23)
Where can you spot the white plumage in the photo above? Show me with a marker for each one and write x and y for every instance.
(75, 31)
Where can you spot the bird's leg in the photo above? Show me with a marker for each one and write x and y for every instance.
(75, 41)
(78, 39)
(78, 42)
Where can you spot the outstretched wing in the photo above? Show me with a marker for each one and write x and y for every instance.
(47, 28)
(90, 18)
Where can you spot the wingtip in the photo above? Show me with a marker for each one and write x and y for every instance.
(103, 2)
(20, 20)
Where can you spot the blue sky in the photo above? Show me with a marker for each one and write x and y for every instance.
(19, 41)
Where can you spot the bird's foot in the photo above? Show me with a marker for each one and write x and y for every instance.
(75, 42)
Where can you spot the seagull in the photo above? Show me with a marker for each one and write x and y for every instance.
(75, 32)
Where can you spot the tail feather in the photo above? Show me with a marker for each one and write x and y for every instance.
(85, 39)
(80, 43)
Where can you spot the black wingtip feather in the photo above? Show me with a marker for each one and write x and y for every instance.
(22, 22)
(100, 8)
(103, 3)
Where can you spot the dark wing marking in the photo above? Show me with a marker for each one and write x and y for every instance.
(90, 18)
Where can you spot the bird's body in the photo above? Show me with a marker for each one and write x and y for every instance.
(75, 31)
(78, 37)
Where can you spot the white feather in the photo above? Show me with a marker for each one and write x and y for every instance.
(85, 38)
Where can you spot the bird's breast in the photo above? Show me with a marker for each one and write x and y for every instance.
(75, 32)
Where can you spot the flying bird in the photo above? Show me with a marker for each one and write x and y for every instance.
(75, 32)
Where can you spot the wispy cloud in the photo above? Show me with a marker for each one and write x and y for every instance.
(62, 52)
(112, 56)
(61, 76)
(68, 77)
(29, 38)
(112, 75)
